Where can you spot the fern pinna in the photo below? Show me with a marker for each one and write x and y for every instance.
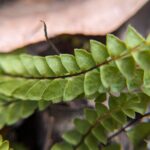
(119, 68)
(4, 145)
(112, 68)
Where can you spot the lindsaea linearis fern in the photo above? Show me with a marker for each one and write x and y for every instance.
(119, 68)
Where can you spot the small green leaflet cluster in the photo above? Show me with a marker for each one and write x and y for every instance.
(4, 145)
(94, 128)
(12, 110)
(116, 67)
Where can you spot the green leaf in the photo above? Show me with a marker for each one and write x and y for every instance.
(91, 82)
(90, 115)
(142, 59)
(110, 124)
(101, 109)
(136, 82)
(4, 146)
(129, 112)
(148, 39)
(73, 137)
(56, 65)
(135, 137)
(55, 90)
(82, 147)
(16, 64)
(6, 66)
(146, 90)
(84, 59)
(102, 88)
(21, 91)
(13, 113)
(74, 88)
(112, 78)
(115, 46)
(39, 86)
(62, 146)
(27, 61)
(99, 51)
(100, 133)
(1, 140)
(133, 38)
(42, 66)
(120, 117)
(81, 125)
(147, 78)
(91, 142)
(3, 117)
(9, 86)
(126, 67)
(27, 108)
(143, 105)
(43, 104)
(132, 99)
(69, 63)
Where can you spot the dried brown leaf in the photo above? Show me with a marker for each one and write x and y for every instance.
(20, 20)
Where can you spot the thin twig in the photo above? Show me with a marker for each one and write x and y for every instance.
(48, 40)
(128, 125)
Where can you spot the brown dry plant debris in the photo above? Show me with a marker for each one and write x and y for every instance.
(20, 20)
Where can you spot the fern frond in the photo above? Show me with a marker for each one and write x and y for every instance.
(13, 111)
(94, 128)
(4, 145)
(112, 68)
